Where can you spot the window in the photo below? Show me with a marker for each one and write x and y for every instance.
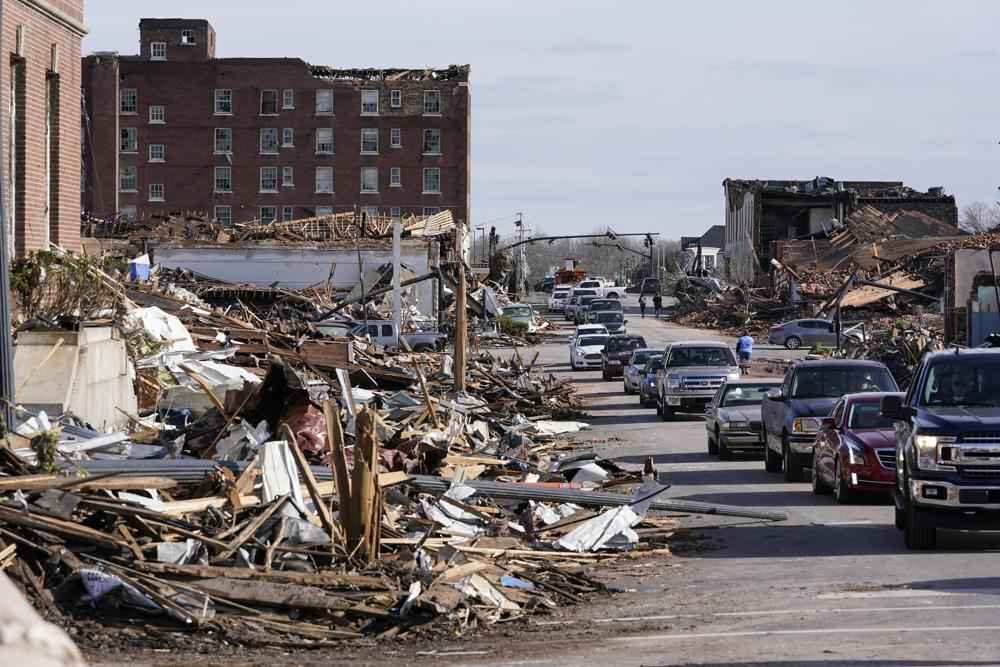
(369, 179)
(268, 102)
(268, 214)
(324, 140)
(432, 102)
(129, 100)
(223, 101)
(395, 98)
(287, 213)
(288, 99)
(128, 179)
(187, 38)
(432, 180)
(157, 114)
(288, 137)
(431, 210)
(157, 153)
(709, 261)
(156, 192)
(268, 140)
(369, 140)
(370, 213)
(432, 142)
(223, 179)
(288, 177)
(395, 213)
(224, 215)
(129, 140)
(268, 179)
(369, 102)
(324, 210)
(324, 179)
(396, 138)
(223, 140)
(158, 50)
(395, 177)
(324, 101)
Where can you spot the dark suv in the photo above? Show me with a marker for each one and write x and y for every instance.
(948, 445)
(617, 353)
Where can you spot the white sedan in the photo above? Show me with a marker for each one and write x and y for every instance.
(586, 352)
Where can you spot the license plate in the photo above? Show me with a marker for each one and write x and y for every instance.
(673, 400)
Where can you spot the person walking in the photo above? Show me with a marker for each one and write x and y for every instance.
(744, 351)
(657, 305)
(642, 306)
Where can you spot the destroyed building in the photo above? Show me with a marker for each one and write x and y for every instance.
(710, 247)
(761, 212)
(41, 124)
(175, 128)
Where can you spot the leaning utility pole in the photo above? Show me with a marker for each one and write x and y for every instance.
(461, 319)
(6, 305)
(397, 269)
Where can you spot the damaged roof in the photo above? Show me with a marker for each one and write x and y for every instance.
(824, 186)
(450, 73)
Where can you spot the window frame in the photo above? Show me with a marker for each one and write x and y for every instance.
(215, 141)
(223, 207)
(369, 92)
(432, 94)
(396, 213)
(395, 98)
(274, 92)
(395, 137)
(215, 179)
(287, 213)
(320, 112)
(431, 210)
(332, 143)
(187, 37)
(260, 214)
(371, 132)
(423, 183)
(324, 170)
(288, 133)
(395, 177)
(260, 141)
(134, 94)
(429, 131)
(323, 211)
(228, 92)
(287, 98)
(273, 176)
(287, 170)
(162, 120)
(134, 176)
(162, 197)
(133, 133)
(163, 153)
(152, 51)
(369, 170)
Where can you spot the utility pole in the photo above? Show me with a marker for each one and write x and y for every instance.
(461, 319)
(519, 272)
(397, 251)
(6, 336)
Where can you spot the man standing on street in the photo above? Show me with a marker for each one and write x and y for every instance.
(642, 306)
(657, 305)
(744, 349)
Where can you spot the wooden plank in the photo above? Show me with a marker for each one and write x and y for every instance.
(365, 493)
(338, 462)
(288, 595)
(203, 383)
(325, 579)
(59, 527)
(325, 516)
(250, 529)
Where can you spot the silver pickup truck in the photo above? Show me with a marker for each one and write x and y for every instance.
(692, 373)
(383, 332)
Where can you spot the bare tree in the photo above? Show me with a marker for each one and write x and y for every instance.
(980, 217)
(743, 269)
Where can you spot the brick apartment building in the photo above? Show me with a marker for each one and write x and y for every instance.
(39, 96)
(175, 129)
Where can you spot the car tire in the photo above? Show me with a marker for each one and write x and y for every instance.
(713, 443)
(899, 516)
(612, 295)
(919, 529)
(819, 487)
(772, 462)
(841, 491)
(667, 414)
(793, 342)
(791, 468)
(625, 388)
(725, 453)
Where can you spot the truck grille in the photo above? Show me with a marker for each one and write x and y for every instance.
(592, 357)
(980, 473)
(887, 457)
(989, 438)
(701, 382)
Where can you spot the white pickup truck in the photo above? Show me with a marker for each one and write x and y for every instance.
(600, 288)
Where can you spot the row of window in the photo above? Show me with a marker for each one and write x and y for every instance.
(269, 99)
(158, 50)
(129, 140)
(223, 180)
(269, 214)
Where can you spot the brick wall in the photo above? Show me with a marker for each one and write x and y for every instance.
(40, 31)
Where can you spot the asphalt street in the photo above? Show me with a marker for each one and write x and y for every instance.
(832, 585)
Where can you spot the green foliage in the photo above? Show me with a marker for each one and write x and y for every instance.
(45, 447)
(513, 327)
(47, 286)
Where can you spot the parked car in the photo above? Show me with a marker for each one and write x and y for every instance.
(732, 419)
(649, 287)
(582, 308)
(557, 302)
(590, 329)
(692, 373)
(569, 312)
(600, 288)
(617, 352)
(612, 319)
(647, 385)
(383, 332)
(587, 351)
(606, 304)
(792, 412)
(523, 313)
(632, 373)
(948, 445)
(855, 449)
(809, 332)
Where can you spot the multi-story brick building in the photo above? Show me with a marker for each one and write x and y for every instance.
(39, 89)
(176, 129)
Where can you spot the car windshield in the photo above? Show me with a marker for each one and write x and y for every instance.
(701, 356)
(971, 381)
(639, 357)
(866, 415)
(609, 317)
(745, 394)
(586, 300)
(559, 294)
(834, 382)
(606, 304)
(587, 341)
(517, 311)
(624, 344)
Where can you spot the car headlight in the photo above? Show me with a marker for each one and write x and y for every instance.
(856, 454)
(734, 426)
(579, 352)
(805, 425)
(733, 376)
(928, 451)
(673, 381)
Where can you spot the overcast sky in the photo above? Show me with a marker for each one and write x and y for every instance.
(630, 114)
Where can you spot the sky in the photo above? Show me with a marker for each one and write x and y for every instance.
(629, 115)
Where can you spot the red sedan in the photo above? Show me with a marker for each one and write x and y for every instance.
(855, 449)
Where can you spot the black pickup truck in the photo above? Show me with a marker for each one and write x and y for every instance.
(948, 446)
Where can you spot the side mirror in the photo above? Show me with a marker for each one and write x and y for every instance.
(828, 423)
(774, 394)
(624, 321)
(891, 407)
